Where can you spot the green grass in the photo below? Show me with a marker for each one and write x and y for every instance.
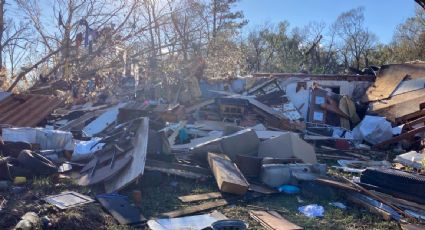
(160, 192)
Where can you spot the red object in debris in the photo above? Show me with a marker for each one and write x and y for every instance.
(342, 144)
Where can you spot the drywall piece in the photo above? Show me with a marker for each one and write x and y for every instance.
(273, 220)
(412, 159)
(196, 222)
(227, 175)
(137, 165)
(68, 199)
(103, 121)
(199, 197)
(231, 144)
(267, 134)
(243, 142)
(288, 145)
(121, 209)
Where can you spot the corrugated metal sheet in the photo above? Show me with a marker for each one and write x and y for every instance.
(26, 110)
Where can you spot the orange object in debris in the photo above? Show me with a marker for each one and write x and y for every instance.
(137, 197)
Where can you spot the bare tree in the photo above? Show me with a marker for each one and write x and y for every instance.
(357, 41)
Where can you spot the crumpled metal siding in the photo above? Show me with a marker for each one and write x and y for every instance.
(26, 110)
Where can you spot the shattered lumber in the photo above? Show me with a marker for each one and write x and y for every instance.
(406, 135)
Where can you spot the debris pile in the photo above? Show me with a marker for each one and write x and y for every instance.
(286, 134)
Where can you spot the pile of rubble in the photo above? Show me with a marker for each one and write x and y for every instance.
(256, 137)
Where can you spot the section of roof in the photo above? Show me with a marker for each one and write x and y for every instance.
(389, 77)
(26, 110)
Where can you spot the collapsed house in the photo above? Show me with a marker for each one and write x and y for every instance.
(254, 136)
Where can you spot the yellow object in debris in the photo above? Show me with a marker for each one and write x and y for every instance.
(19, 180)
(348, 107)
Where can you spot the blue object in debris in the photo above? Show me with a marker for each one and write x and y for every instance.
(312, 210)
(288, 189)
(183, 135)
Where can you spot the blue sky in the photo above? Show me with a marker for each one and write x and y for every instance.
(381, 16)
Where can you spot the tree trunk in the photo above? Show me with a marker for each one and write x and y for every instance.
(2, 2)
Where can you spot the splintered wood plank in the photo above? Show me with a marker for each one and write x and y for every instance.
(137, 165)
(195, 209)
(199, 197)
(273, 220)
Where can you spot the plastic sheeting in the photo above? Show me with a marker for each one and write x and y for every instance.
(373, 130)
(85, 149)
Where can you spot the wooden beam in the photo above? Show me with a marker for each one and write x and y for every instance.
(400, 137)
(410, 116)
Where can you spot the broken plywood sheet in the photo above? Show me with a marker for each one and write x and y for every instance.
(273, 220)
(196, 222)
(199, 197)
(137, 165)
(288, 145)
(196, 208)
(389, 78)
(227, 175)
